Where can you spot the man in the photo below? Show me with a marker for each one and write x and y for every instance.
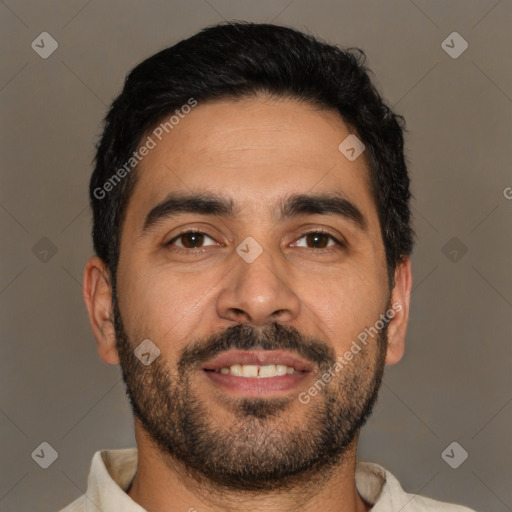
(252, 278)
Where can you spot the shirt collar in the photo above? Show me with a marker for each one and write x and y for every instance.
(112, 472)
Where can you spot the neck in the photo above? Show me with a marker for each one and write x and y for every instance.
(162, 484)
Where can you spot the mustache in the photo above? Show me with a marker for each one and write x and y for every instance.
(246, 337)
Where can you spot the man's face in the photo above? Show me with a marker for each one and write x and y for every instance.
(318, 282)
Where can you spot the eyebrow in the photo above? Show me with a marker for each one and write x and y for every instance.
(176, 204)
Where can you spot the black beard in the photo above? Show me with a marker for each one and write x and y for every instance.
(257, 451)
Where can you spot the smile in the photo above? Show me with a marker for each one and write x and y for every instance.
(257, 372)
(253, 371)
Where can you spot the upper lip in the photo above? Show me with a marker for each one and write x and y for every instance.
(257, 357)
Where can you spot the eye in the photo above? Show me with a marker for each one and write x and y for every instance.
(318, 240)
(189, 240)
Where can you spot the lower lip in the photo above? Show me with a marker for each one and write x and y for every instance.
(247, 386)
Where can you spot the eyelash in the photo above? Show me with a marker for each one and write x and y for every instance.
(314, 232)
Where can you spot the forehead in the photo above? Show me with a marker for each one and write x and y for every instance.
(254, 150)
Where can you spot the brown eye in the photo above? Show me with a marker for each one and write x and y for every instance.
(190, 240)
(317, 240)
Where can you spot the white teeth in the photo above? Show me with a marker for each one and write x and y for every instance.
(268, 371)
(236, 370)
(281, 369)
(249, 370)
(257, 372)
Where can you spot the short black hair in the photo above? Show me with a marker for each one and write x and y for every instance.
(234, 60)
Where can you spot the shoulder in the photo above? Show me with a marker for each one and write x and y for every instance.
(416, 503)
(380, 488)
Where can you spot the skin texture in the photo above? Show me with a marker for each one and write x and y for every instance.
(257, 151)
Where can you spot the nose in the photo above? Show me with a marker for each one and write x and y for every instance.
(258, 293)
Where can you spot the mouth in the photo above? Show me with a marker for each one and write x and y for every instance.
(257, 372)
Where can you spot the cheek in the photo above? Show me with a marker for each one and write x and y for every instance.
(346, 303)
(163, 304)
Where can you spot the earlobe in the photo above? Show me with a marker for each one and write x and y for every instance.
(97, 295)
(400, 304)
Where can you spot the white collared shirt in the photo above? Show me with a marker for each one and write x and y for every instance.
(113, 470)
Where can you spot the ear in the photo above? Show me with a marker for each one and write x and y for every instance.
(400, 302)
(97, 294)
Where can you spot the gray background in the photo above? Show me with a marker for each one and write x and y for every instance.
(454, 383)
